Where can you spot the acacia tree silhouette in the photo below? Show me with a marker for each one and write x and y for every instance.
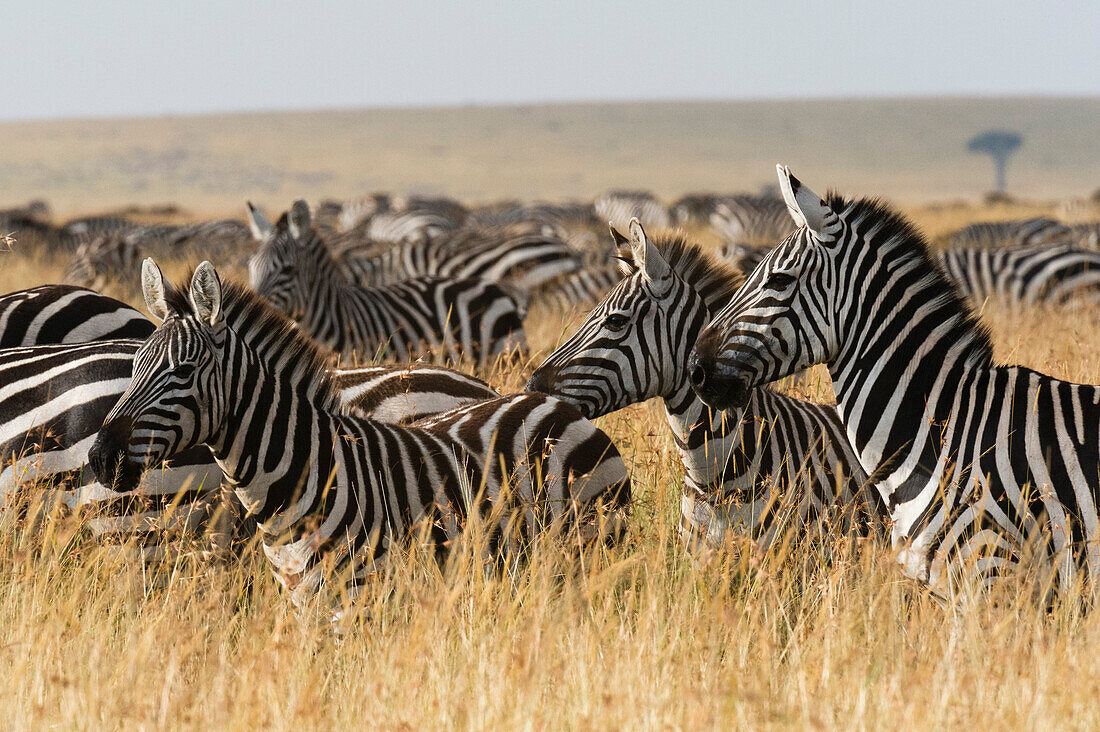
(998, 144)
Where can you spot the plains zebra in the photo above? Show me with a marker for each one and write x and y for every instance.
(353, 213)
(744, 257)
(981, 465)
(522, 260)
(400, 227)
(634, 346)
(751, 220)
(583, 287)
(1044, 274)
(619, 207)
(52, 404)
(100, 260)
(60, 314)
(56, 398)
(226, 370)
(406, 394)
(294, 271)
(1023, 232)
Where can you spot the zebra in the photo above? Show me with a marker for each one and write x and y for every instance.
(1022, 232)
(750, 220)
(52, 403)
(981, 465)
(56, 398)
(1031, 275)
(294, 271)
(328, 487)
(582, 287)
(524, 261)
(63, 314)
(619, 207)
(101, 259)
(744, 257)
(634, 346)
(417, 225)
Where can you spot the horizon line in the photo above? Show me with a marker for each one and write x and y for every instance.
(578, 102)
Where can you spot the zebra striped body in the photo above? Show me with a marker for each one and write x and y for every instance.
(1032, 275)
(751, 220)
(525, 261)
(634, 346)
(52, 404)
(225, 370)
(61, 314)
(619, 207)
(981, 466)
(582, 287)
(1024, 232)
(114, 255)
(401, 395)
(56, 398)
(399, 227)
(295, 272)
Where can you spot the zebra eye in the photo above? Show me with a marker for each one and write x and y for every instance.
(781, 280)
(616, 321)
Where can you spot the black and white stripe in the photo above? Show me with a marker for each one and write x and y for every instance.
(325, 486)
(1030, 275)
(56, 398)
(52, 404)
(751, 220)
(521, 259)
(1022, 232)
(982, 466)
(747, 470)
(62, 314)
(619, 207)
(457, 318)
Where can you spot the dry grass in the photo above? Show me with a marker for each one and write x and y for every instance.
(823, 634)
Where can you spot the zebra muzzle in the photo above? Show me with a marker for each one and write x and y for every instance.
(108, 457)
(721, 385)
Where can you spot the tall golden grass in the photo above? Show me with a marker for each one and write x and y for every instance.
(821, 633)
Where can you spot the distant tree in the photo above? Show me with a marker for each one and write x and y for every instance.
(999, 145)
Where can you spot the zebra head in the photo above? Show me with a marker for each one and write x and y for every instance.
(284, 266)
(175, 400)
(634, 345)
(782, 319)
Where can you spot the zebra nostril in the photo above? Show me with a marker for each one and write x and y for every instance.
(698, 375)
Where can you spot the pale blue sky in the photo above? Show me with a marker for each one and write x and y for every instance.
(63, 58)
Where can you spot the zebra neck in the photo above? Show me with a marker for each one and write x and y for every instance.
(271, 442)
(896, 383)
(705, 438)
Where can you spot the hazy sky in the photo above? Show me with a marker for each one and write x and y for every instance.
(141, 57)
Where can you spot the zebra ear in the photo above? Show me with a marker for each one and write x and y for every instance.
(646, 257)
(299, 219)
(620, 240)
(206, 293)
(806, 207)
(257, 222)
(152, 287)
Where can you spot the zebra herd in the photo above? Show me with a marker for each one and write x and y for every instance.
(231, 418)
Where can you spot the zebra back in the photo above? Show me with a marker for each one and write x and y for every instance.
(62, 314)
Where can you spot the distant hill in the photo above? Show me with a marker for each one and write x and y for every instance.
(907, 149)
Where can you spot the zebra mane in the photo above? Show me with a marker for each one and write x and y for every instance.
(894, 235)
(713, 279)
(281, 344)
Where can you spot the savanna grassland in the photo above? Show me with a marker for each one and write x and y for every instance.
(821, 633)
